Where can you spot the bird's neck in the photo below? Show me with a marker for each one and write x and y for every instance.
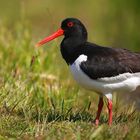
(71, 48)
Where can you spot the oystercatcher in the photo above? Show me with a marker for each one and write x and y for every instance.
(102, 69)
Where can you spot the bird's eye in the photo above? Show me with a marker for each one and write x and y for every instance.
(70, 24)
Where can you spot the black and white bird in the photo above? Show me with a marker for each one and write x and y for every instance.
(101, 69)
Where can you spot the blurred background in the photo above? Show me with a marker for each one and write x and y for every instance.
(23, 23)
(109, 22)
(36, 87)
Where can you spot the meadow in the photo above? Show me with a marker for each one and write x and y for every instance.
(38, 97)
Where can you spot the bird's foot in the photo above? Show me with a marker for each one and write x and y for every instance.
(96, 122)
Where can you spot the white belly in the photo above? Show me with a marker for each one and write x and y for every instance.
(122, 82)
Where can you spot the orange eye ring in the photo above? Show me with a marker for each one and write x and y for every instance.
(70, 24)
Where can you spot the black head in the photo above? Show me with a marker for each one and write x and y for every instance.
(74, 28)
(75, 35)
(70, 27)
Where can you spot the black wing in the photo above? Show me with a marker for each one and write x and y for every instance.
(108, 62)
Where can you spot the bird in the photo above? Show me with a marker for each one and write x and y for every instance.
(102, 69)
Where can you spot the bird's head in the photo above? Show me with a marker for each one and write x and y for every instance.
(70, 28)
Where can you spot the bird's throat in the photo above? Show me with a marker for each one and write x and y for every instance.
(71, 48)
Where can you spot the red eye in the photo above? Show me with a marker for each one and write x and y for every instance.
(70, 24)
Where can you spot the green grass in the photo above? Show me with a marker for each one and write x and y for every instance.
(38, 100)
(41, 101)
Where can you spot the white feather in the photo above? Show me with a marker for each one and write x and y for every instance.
(106, 85)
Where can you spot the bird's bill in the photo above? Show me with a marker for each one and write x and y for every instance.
(58, 33)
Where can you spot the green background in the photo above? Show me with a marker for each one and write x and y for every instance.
(38, 97)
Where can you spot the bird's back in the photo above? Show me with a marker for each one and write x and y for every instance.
(108, 62)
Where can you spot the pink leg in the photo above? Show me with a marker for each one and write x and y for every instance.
(110, 111)
(100, 106)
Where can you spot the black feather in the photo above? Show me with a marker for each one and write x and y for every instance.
(108, 62)
(101, 61)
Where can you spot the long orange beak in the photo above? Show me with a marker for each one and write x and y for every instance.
(51, 37)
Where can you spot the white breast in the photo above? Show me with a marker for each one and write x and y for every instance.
(122, 82)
